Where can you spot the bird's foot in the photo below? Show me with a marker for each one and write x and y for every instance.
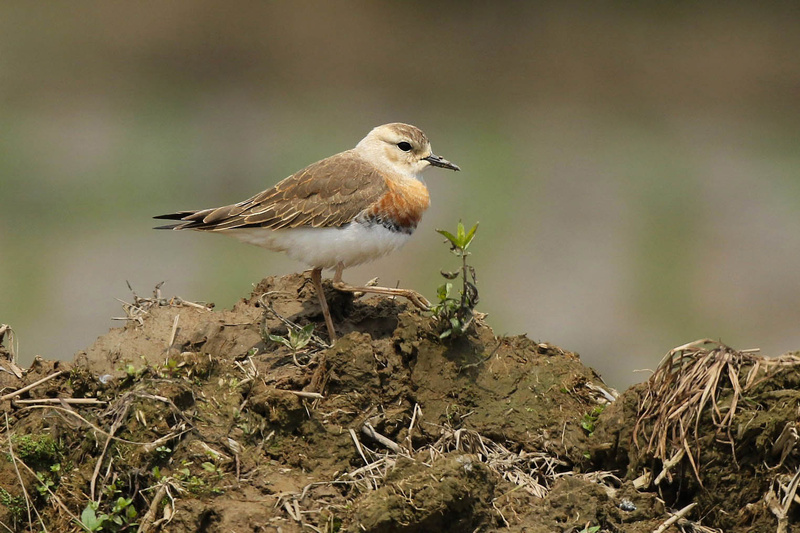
(412, 296)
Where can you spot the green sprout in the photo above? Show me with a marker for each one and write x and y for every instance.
(296, 340)
(14, 504)
(456, 314)
(123, 514)
(589, 419)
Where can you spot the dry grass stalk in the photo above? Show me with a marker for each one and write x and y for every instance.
(533, 472)
(370, 431)
(687, 526)
(149, 518)
(120, 411)
(68, 401)
(607, 394)
(371, 476)
(689, 383)
(786, 441)
(31, 386)
(140, 307)
(674, 518)
(781, 497)
(686, 385)
(10, 353)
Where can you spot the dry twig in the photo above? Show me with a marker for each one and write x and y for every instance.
(140, 307)
(674, 518)
(149, 518)
(31, 386)
(780, 499)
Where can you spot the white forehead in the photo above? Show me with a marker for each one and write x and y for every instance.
(397, 132)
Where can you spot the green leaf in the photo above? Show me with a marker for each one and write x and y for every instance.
(444, 291)
(89, 518)
(470, 235)
(303, 337)
(460, 234)
(280, 340)
(130, 513)
(450, 236)
(121, 504)
(209, 466)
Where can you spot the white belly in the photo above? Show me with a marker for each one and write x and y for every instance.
(351, 244)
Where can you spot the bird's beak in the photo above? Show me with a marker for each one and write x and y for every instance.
(438, 161)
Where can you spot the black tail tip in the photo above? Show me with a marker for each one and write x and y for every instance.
(171, 216)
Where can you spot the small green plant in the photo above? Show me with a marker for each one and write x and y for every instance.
(90, 520)
(171, 365)
(46, 484)
(189, 481)
(456, 314)
(208, 466)
(37, 451)
(163, 452)
(296, 339)
(122, 514)
(589, 419)
(14, 504)
(131, 372)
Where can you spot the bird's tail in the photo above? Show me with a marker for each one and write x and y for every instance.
(180, 215)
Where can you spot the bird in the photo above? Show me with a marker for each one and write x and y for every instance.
(345, 210)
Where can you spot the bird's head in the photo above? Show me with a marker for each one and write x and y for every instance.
(400, 148)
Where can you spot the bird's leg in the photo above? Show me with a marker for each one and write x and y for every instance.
(316, 278)
(412, 296)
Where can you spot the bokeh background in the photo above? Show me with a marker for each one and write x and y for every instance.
(635, 167)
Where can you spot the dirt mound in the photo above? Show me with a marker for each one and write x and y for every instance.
(188, 419)
(715, 428)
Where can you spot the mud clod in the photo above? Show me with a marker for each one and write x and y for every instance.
(188, 419)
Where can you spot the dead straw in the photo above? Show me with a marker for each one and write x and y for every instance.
(688, 385)
(31, 386)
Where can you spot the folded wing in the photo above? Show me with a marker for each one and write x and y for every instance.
(329, 193)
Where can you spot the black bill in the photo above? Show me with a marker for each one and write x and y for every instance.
(438, 161)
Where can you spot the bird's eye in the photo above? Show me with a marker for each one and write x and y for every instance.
(404, 146)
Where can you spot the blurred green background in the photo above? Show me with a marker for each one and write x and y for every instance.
(635, 167)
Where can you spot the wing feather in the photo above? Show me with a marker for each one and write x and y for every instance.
(330, 193)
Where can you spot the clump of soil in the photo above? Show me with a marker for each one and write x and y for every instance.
(189, 419)
(716, 428)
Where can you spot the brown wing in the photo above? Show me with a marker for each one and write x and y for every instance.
(331, 192)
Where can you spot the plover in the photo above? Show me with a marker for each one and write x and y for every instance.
(347, 209)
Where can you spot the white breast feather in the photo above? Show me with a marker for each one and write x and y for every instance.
(351, 244)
